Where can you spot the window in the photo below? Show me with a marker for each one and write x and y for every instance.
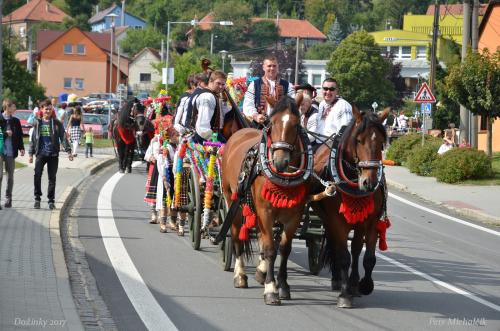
(484, 123)
(68, 49)
(79, 83)
(406, 52)
(80, 49)
(316, 79)
(421, 52)
(67, 82)
(145, 77)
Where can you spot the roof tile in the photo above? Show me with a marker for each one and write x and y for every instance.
(36, 10)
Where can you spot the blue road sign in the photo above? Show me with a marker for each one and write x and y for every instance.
(426, 108)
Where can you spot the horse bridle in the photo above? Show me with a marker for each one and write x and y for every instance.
(340, 180)
(285, 179)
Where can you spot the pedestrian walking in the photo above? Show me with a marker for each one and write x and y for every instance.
(12, 145)
(75, 129)
(48, 134)
(89, 141)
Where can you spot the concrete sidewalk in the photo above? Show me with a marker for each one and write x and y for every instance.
(34, 285)
(481, 203)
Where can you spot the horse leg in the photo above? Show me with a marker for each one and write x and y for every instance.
(240, 279)
(130, 157)
(271, 296)
(342, 263)
(285, 249)
(369, 260)
(261, 270)
(356, 247)
(121, 156)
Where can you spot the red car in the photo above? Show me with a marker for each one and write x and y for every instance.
(93, 121)
(23, 115)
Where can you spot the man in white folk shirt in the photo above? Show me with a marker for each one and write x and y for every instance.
(255, 106)
(211, 109)
(334, 112)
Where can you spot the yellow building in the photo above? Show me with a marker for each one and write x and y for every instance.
(450, 27)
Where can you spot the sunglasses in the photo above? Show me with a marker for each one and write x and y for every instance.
(328, 88)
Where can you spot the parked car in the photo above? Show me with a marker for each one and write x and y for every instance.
(23, 115)
(94, 121)
(95, 106)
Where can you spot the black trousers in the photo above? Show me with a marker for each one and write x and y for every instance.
(88, 147)
(52, 164)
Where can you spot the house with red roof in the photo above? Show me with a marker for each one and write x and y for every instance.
(34, 11)
(76, 61)
(289, 29)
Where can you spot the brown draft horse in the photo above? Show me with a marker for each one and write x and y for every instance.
(360, 169)
(282, 149)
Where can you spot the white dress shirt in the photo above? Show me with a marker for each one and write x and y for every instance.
(206, 104)
(312, 124)
(249, 108)
(179, 114)
(340, 114)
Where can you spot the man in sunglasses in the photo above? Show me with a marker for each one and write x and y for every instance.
(255, 105)
(334, 112)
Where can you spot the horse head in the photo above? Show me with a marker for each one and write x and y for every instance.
(284, 131)
(363, 145)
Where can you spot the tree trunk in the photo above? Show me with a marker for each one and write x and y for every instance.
(489, 135)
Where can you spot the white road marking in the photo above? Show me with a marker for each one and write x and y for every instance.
(451, 218)
(148, 309)
(440, 283)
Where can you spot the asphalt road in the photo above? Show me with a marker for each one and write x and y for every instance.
(437, 274)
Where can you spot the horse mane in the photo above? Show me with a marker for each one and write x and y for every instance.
(284, 103)
(124, 113)
(368, 118)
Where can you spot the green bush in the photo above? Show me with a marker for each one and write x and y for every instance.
(459, 164)
(401, 147)
(421, 158)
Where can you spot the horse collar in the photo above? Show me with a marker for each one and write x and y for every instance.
(285, 179)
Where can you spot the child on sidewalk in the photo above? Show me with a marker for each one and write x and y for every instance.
(89, 141)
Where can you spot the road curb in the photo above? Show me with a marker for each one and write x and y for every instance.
(466, 212)
(61, 270)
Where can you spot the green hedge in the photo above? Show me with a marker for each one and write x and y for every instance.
(400, 148)
(460, 164)
(421, 158)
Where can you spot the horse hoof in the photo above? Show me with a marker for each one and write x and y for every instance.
(284, 293)
(335, 285)
(129, 170)
(260, 277)
(272, 299)
(241, 281)
(366, 286)
(121, 171)
(344, 302)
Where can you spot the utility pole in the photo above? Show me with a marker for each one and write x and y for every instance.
(1, 55)
(297, 62)
(435, 33)
(162, 51)
(475, 38)
(464, 113)
(29, 61)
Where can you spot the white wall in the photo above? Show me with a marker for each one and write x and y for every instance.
(143, 65)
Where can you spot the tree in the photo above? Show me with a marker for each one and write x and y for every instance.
(263, 34)
(18, 84)
(138, 39)
(79, 7)
(315, 12)
(361, 71)
(11, 5)
(321, 51)
(335, 33)
(476, 85)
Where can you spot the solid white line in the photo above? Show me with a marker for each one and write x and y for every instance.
(451, 218)
(148, 309)
(440, 283)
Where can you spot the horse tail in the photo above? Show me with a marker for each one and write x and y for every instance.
(329, 253)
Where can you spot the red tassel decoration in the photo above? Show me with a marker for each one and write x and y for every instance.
(243, 236)
(356, 209)
(250, 222)
(382, 226)
(281, 196)
(234, 196)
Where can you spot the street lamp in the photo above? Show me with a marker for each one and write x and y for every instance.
(289, 73)
(223, 23)
(112, 17)
(223, 54)
(193, 23)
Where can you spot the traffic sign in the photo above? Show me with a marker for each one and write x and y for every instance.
(424, 94)
(426, 108)
(374, 105)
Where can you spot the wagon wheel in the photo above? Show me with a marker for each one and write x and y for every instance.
(194, 208)
(314, 254)
(226, 246)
